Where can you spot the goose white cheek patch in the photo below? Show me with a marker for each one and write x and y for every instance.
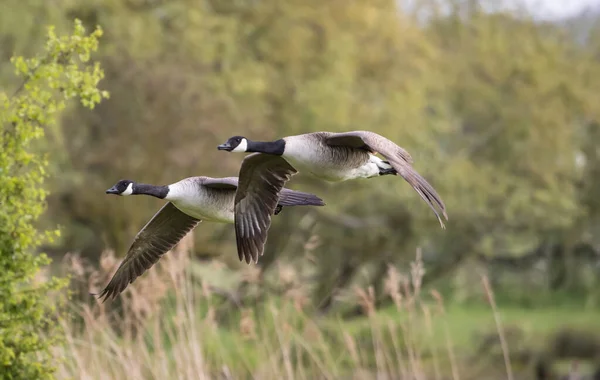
(128, 190)
(242, 146)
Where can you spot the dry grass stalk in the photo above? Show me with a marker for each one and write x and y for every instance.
(159, 333)
(351, 346)
(309, 247)
(398, 351)
(392, 286)
(417, 271)
(441, 311)
(434, 353)
(366, 299)
(247, 325)
(501, 335)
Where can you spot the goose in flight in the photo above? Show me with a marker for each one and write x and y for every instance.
(247, 202)
(336, 157)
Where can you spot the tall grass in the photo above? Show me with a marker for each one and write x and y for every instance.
(170, 325)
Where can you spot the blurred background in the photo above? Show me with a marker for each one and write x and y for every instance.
(498, 102)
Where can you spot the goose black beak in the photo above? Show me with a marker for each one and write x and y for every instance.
(225, 146)
(112, 190)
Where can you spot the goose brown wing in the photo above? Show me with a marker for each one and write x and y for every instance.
(229, 183)
(262, 176)
(400, 160)
(166, 228)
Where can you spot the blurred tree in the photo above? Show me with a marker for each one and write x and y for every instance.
(517, 96)
(22, 31)
(494, 108)
(48, 82)
(227, 71)
(264, 70)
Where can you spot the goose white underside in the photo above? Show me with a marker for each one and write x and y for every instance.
(194, 202)
(204, 214)
(336, 172)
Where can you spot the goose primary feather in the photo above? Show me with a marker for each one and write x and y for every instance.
(338, 157)
(247, 202)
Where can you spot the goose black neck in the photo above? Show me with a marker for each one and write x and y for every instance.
(276, 147)
(153, 190)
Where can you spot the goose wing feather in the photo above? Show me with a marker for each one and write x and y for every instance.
(400, 160)
(262, 177)
(229, 183)
(166, 228)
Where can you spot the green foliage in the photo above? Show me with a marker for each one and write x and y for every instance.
(497, 110)
(516, 109)
(63, 72)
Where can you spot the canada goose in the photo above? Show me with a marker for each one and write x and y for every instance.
(248, 202)
(338, 157)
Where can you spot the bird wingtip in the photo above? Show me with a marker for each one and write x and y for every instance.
(101, 296)
(441, 223)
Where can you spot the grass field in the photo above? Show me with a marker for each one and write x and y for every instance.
(169, 325)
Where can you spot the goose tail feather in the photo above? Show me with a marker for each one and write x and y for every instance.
(289, 197)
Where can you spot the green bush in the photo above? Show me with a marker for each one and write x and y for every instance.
(62, 72)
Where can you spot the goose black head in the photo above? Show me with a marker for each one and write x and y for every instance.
(123, 187)
(235, 144)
